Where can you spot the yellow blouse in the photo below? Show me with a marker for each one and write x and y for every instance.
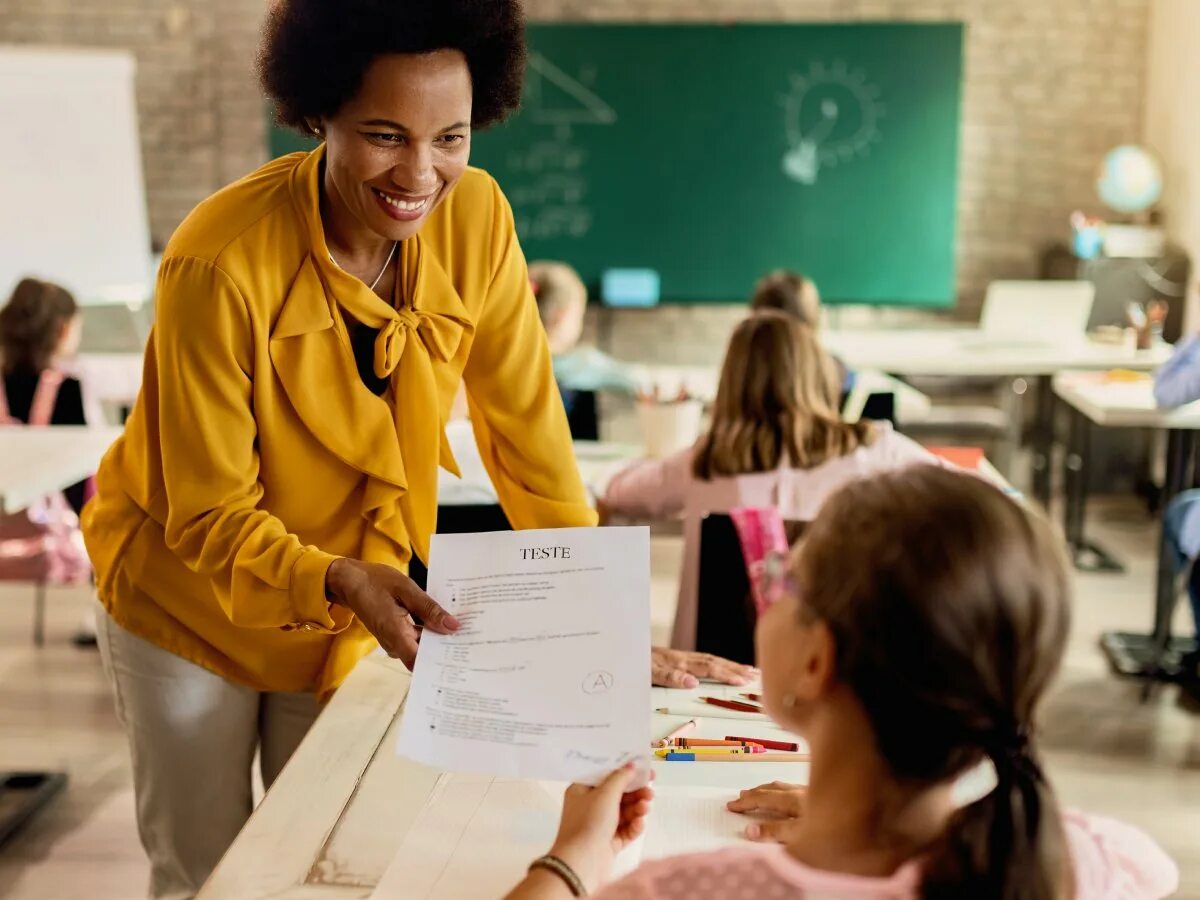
(255, 455)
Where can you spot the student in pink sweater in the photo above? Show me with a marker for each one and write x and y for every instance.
(776, 440)
(913, 636)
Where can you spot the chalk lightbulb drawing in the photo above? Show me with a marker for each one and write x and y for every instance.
(831, 116)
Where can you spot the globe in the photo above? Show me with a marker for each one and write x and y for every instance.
(1130, 179)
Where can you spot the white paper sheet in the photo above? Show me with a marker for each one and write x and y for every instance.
(691, 820)
(549, 677)
(477, 835)
(476, 838)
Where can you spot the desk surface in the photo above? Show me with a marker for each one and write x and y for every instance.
(1121, 404)
(967, 351)
(344, 804)
(41, 460)
(701, 382)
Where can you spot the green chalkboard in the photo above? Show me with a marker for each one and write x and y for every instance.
(713, 153)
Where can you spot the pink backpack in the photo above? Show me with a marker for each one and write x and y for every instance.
(764, 543)
(43, 543)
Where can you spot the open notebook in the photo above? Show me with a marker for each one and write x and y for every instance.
(477, 835)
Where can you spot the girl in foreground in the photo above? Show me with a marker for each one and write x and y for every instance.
(915, 633)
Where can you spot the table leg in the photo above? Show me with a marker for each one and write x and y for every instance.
(1156, 656)
(1043, 439)
(1086, 555)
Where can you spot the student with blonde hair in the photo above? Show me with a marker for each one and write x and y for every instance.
(776, 440)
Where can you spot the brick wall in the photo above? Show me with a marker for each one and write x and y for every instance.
(1050, 85)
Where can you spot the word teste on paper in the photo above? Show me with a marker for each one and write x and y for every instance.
(549, 676)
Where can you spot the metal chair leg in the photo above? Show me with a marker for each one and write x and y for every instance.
(39, 614)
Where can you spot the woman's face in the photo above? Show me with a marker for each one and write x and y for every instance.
(397, 147)
(69, 337)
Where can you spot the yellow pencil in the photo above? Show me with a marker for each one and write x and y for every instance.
(693, 756)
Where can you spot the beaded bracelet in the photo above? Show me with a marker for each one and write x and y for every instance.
(563, 871)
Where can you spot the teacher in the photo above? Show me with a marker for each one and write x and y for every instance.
(314, 320)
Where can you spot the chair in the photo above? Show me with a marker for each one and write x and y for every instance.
(725, 614)
(584, 417)
(461, 519)
(878, 407)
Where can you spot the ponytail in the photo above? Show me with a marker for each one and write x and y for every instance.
(1008, 845)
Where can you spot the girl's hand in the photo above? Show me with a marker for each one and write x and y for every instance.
(780, 804)
(598, 822)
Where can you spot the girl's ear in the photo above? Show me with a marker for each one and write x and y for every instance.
(816, 666)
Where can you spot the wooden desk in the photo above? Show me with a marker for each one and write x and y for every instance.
(333, 821)
(968, 352)
(701, 382)
(1095, 400)
(41, 460)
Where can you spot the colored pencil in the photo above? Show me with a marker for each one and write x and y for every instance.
(732, 704)
(770, 745)
(707, 751)
(693, 756)
(715, 714)
(757, 698)
(708, 742)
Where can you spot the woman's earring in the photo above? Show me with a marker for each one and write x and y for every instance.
(789, 700)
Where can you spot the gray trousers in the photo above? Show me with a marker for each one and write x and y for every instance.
(192, 737)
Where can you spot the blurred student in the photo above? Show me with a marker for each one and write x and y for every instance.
(562, 304)
(1175, 384)
(797, 295)
(914, 634)
(40, 328)
(776, 440)
(40, 331)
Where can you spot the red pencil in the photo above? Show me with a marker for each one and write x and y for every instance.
(732, 704)
(770, 745)
(757, 698)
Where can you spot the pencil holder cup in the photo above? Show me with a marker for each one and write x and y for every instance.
(668, 427)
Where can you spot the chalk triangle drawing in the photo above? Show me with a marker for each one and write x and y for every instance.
(555, 98)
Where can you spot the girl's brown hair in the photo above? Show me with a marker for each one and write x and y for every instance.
(789, 292)
(950, 623)
(777, 402)
(31, 325)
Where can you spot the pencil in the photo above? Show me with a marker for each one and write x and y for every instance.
(692, 756)
(686, 726)
(715, 714)
(731, 704)
(708, 751)
(770, 745)
(707, 742)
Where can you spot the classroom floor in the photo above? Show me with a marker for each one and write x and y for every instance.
(1108, 752)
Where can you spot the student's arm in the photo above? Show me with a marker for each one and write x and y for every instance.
(591, 369)
(651, 488)
(1178, 381)
(263, 576)
(516, 410)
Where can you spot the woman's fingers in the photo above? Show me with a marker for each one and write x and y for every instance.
(421, 605)
(665, 675)
(706, 665)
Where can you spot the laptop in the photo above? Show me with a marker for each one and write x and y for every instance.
(1035, 314)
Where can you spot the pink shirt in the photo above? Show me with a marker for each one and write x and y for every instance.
(1112, 861)
(666, 488)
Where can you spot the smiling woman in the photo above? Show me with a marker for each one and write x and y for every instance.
(253, 527)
